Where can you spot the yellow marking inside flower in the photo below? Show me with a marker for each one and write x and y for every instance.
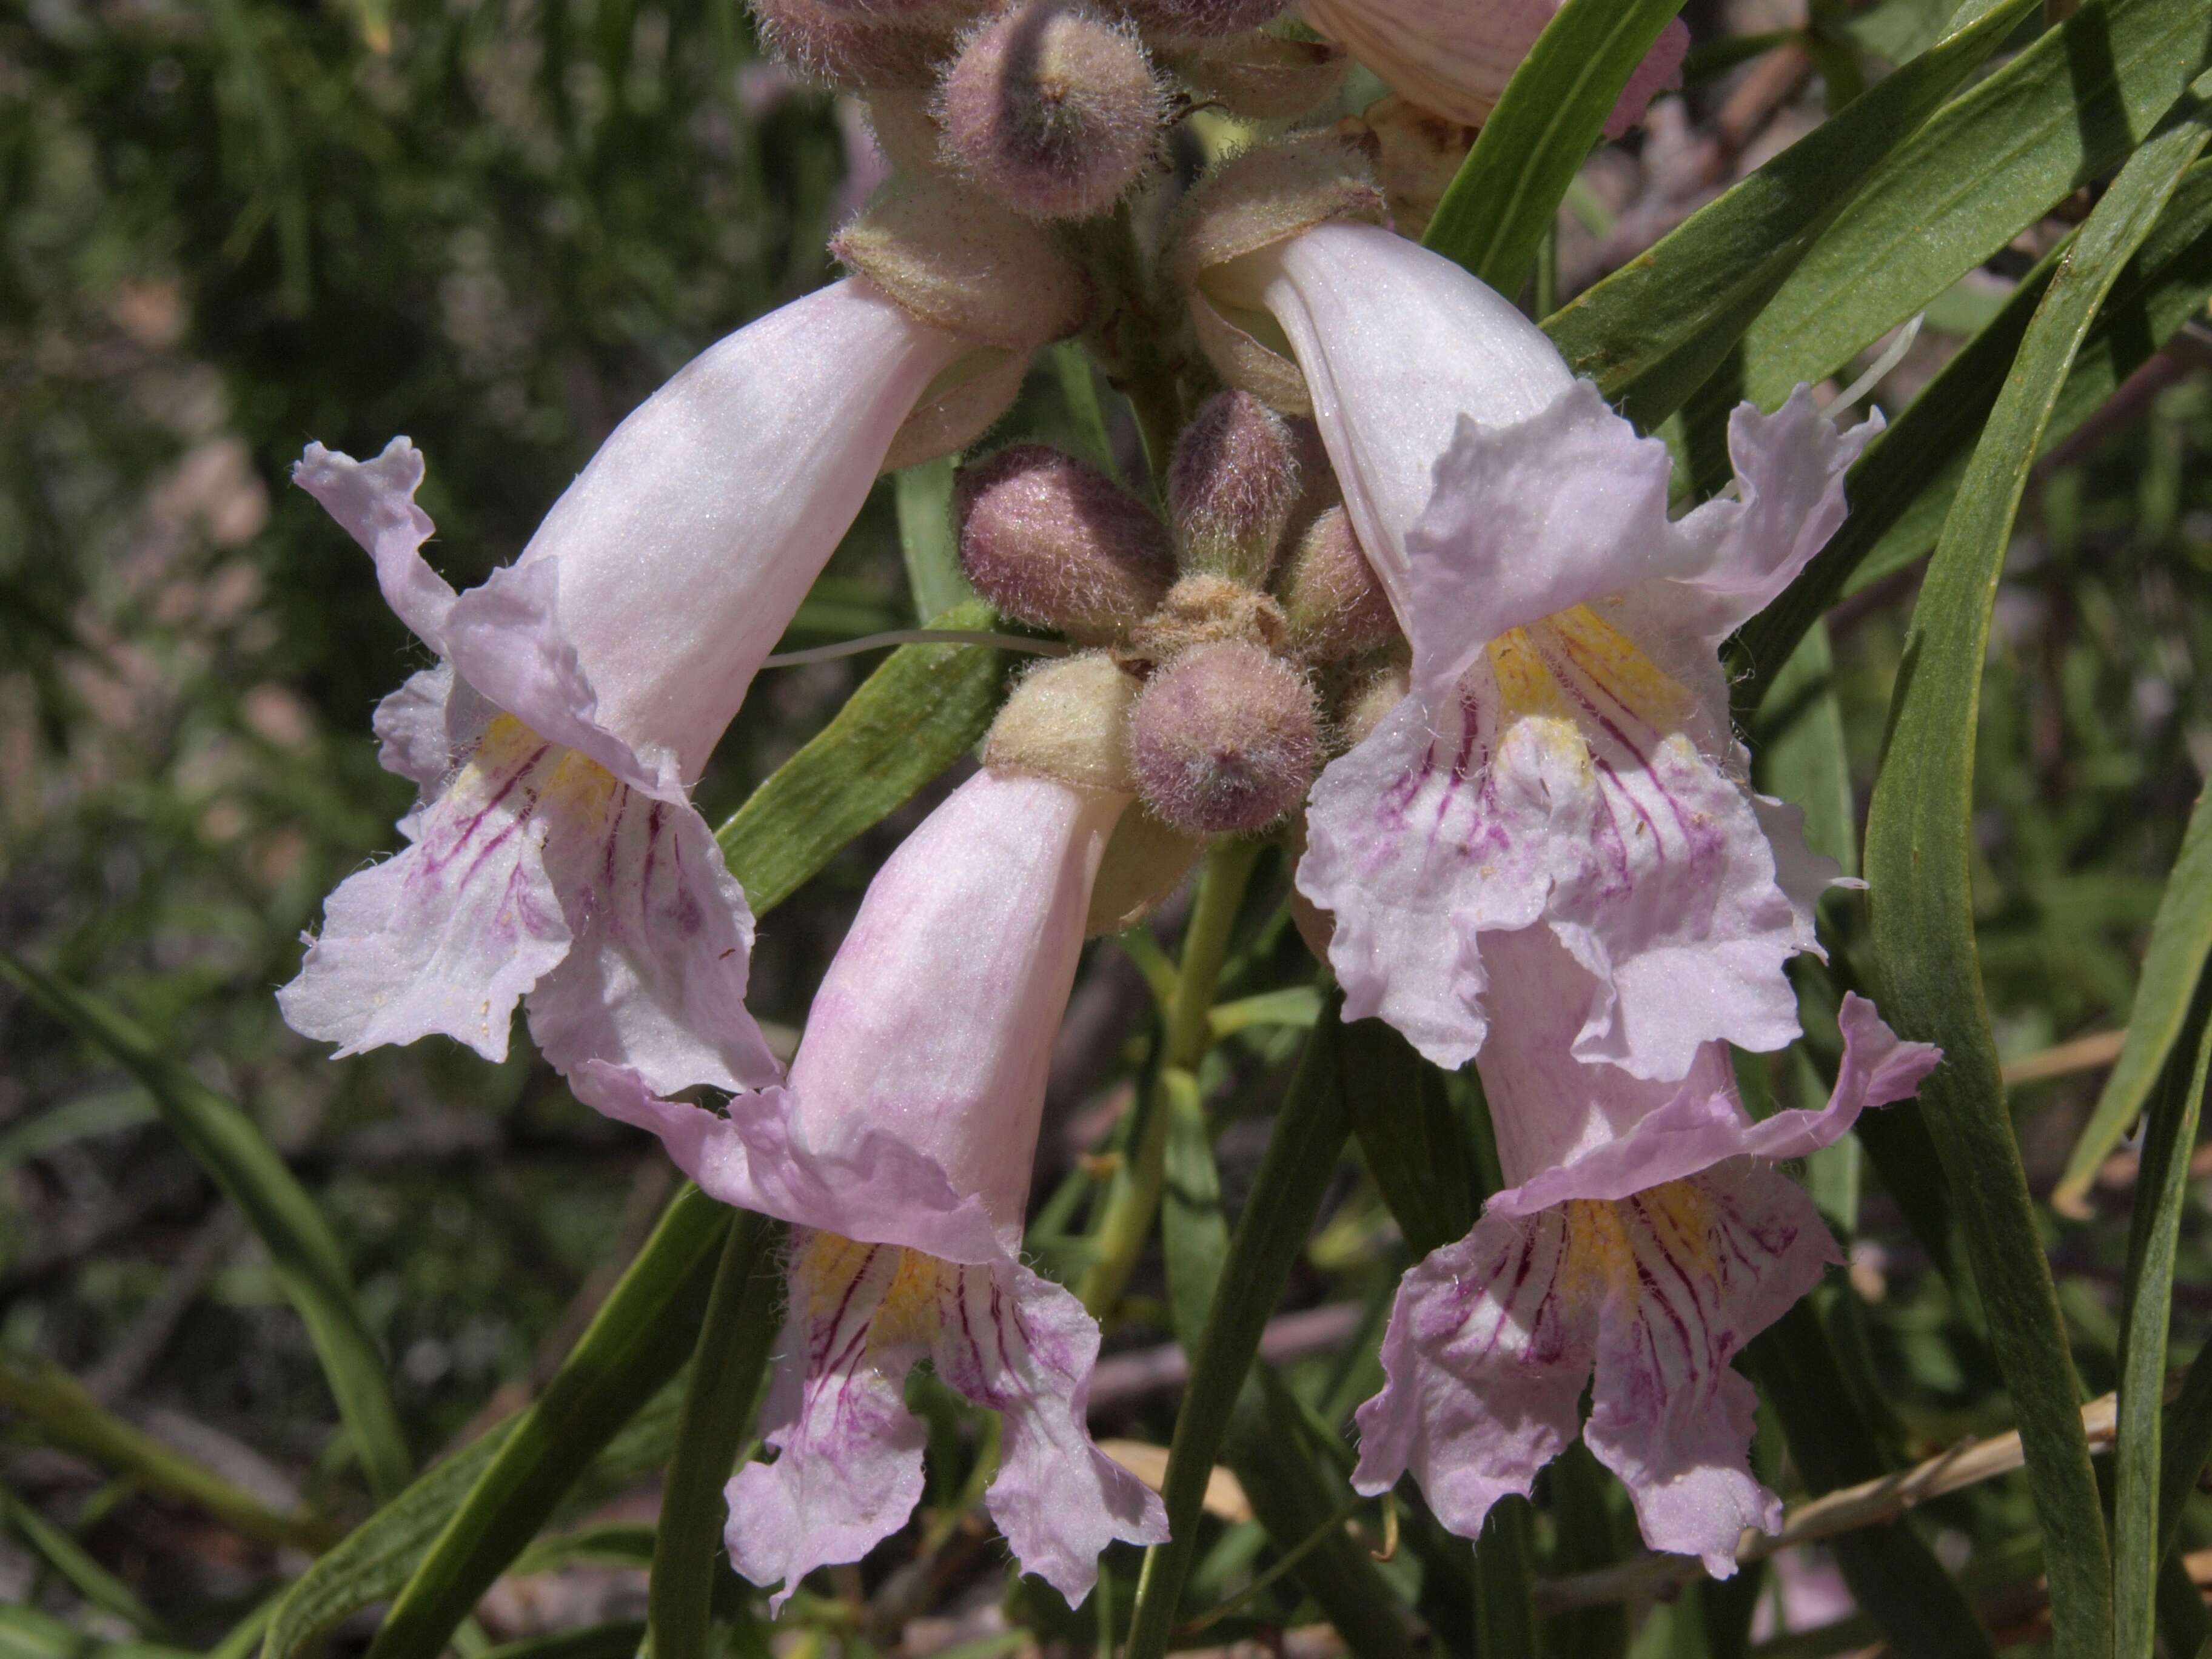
(1525, 687)
(579, 786)
(1613, 662)
(905, 1310)
(1601, 1257)
(1599, 1254)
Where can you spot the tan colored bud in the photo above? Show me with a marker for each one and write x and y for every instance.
(1068, 720)
(1224, 739)
(1145, 860)
(1206, 610)
(1052, 541)
(976, 391)
(1259, 77)
(962, 264)
(1420, 153)
(1331, 599)
(1370, 705)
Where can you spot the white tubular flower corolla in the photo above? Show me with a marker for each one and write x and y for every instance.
(554, 852)
(1455, 56)
(901, 1151)
(1564, 759)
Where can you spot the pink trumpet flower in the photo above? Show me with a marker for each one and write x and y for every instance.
(555, 855)
(1646, 1240)
(901, 1151)
(1564, 760)
(1455, 56)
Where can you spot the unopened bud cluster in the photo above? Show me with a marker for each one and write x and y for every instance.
(1231, 644)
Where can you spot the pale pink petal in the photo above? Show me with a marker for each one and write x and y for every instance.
(662, 938)
(1715, 1260)
(1025, 1347)
(375, 502)
(1568, 1130)
(448, 935)
(1397, 344)
(1455, 56)
(428, 726)
(848, 1472)
(1486, 1353)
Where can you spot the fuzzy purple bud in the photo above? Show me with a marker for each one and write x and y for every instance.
(1054, 542)
(1224, 739)
(1178, 18)
(1331, 598)
(1231, 484)
(1259, 77)
(1053, 109)
(854, 46)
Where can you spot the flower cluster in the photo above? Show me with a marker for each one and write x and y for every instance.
(1416, 602)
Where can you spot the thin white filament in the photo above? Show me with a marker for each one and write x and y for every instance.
(1880, 370)
(916, 636)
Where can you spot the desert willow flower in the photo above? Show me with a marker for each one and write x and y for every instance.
(1455, 56)
(1646, 1238)
(1563, 759)
(555, 855)
(901, 1151)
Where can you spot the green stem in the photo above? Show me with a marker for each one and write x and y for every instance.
(1127, 1221)
(1129, 339)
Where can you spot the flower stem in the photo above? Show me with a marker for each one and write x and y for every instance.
(1134, 1199)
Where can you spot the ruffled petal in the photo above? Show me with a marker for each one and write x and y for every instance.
(1698, 1267)
(374, 501)
(448, 935)
(848, 1472)
(1587, 1132)
(1025, 1347)
(1488, 1345)
(414, 729)
(662, 939)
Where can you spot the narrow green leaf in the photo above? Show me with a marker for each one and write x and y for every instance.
(1920, 458)
(1583, 1523)
(68, 1416)
(1504, 1572)
(1922, 912)
(1799, 742)
(25, 1633)
(641, 1337)
(1414, 1143)
(928, 539)
(1985, 167)
(2162, 1189)
(1302, 1153)
(2185, 1444)
(618, 1640)
(376, 1558)
(1495, 213)
(602, 1544)
(727, 1368)
(909, 720)
(69, 1558)
(1656, 329)
(1194, 1233)
(1895, 1577)
(241, 1161)
(1087, 414)
(2180, 939)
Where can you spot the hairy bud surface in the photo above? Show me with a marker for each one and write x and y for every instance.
(1232, 481)
(1331, 599)
(853, 46)
(1068, 720)
(962, 264)
(1054, 542)
(1225, 739)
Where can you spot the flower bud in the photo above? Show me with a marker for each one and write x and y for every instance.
(1068, 720)
(982, 387)
(1263, 197)
(1370, 703)
(1259, 77)
(966, 265)
(1054, 542)
(1224, 739)
(1053, 109)
(1144, 861)
(1331, 599)
(855, 46)
(1232, 481)
(1174, 19)
(1206, 611)
(1420, 154)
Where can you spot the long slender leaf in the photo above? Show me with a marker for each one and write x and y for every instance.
(1415, 1146)
(1586, 1538)
(2184, 1444)
(1923, 453)
(1656, 328)
(2162, 1189)
(616, 1640)
(1504, 1571)
(1309, 1133)
(1194, 1233)
(1495, 213)
(928, 540)
(1922, 920)
(101, 1588)
(909, 720)
(641, 1337)
(2180, 939)
(1989, 165)
(727, 1368)
(241, 1161)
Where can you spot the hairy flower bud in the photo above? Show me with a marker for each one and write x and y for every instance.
(1206, 611)
(1263, 197)
(1259, 77)
(855, 46)
(1331, 599)
(1419, 155)
(1068, 720)
(1232, 484)
(960, 409)
(1052, 541)
(1370, 702)
(963, 264)
(1145, 860)
(1177, 18)
(1053, 109)
(1224, 739)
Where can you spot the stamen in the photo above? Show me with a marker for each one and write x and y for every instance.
(1880, 370)
(917, 637)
